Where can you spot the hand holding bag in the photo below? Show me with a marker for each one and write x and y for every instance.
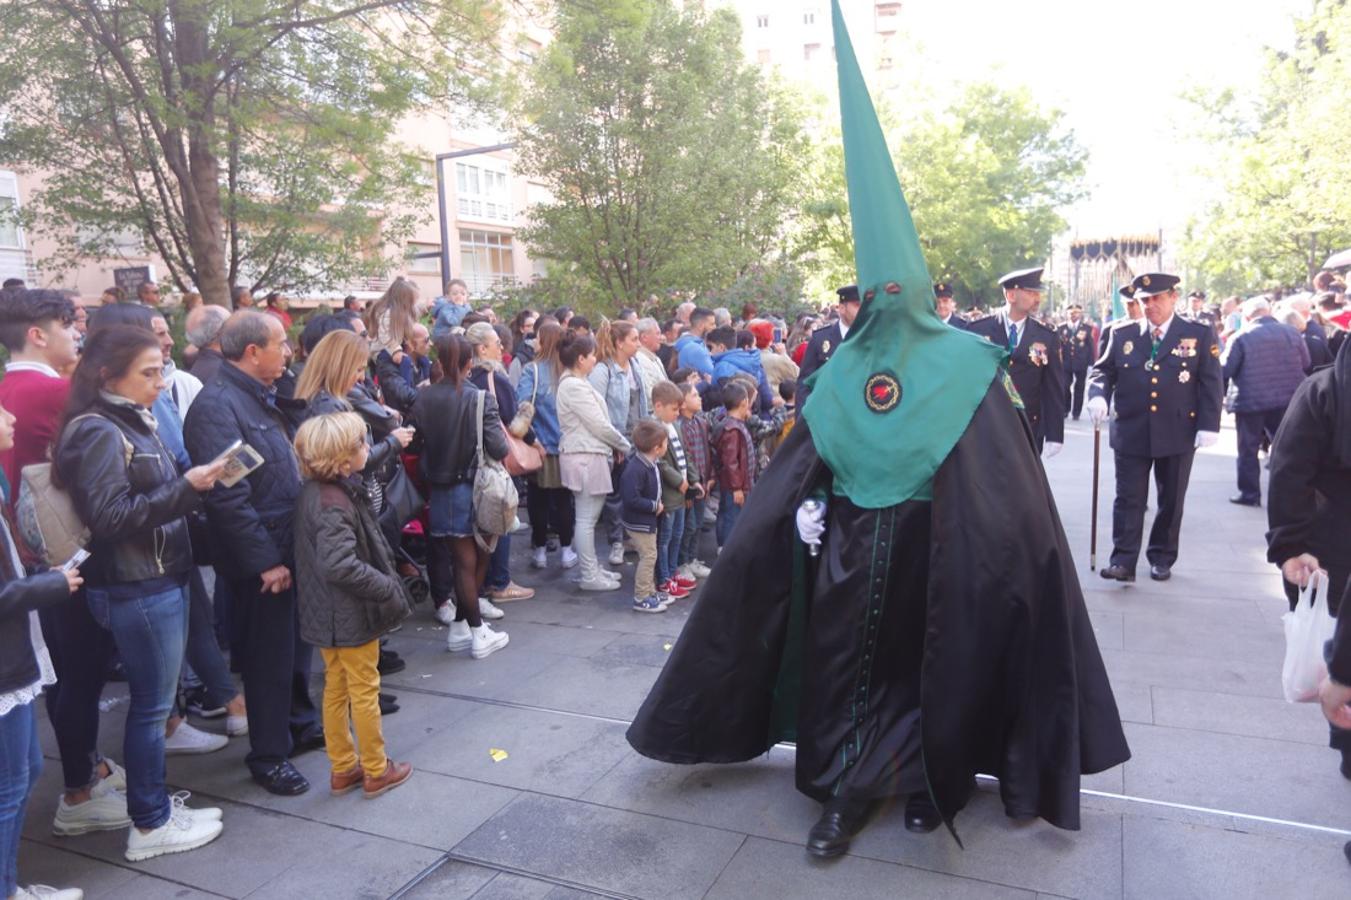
(1307, 628)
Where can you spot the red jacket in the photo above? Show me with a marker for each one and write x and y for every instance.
(36, 400)
(736, 471)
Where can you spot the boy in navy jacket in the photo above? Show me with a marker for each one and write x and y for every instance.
(640, 504)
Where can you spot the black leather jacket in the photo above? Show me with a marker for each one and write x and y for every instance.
(134, 509)
(18, 663)
(447, 419)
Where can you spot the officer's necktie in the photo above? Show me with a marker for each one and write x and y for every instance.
(1013, 337)
(1158, 339)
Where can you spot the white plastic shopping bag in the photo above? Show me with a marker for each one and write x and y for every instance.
(1307, 629)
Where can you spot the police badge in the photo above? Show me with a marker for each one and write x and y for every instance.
(1184, 376)
(825, 346)
(1128, 348)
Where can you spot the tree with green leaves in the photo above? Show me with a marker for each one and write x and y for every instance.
(246, 141)
(672, 162)
(986, 179)
(1282, 175)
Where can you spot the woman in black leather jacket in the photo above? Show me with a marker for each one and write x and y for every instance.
(125, 487)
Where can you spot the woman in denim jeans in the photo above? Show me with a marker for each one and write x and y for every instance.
(126, 488)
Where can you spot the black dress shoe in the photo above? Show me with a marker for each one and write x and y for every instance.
(839, 822)
(389, 704)
(1117, 573)
(1245, 501)
(312, 741)
(1160, 573)
(921, 816)
(390, 662)
(282, 779)
(1346, 764)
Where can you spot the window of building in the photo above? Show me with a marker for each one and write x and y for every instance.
(485, 260)
(424, 258)
(10, 236)
(809, 18)
(762, 21)
(482, 192)
(809, 51)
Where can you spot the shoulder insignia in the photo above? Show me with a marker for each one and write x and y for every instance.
(1012, 391)
(1215, 350)
(825, 346)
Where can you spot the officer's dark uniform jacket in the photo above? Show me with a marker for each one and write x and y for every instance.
(1076, 345)
(1160, 405)
(1036, 370)
(819, 349)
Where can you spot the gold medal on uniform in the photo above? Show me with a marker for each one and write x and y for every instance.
(1184, 376)
(1149, 365)
(825, 346)
(1128, 347)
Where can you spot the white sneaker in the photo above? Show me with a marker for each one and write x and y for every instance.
(184, 831)
(600, 584)
(486, 641)
(461, 637)
(617, 553)
(205, 813)
(117, 781)
(106, 810)
(236, 726)
(445, 613)
(569, 558)
(686, 571)
(539, 558)
(699, 569)
(187, 740)
(488, 610)
(46, 892)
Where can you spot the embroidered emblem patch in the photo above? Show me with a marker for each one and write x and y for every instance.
(882, 393)
(825, 347)
(1128, 347)
(1036, 354)
(1215, 350)
(1184, 376)
(1012, 391)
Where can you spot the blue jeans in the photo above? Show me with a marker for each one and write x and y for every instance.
(203, 653)
(499, 566)
(20, 766)
(669, 531)
(151, 633)
(689, 538)
(728, 513)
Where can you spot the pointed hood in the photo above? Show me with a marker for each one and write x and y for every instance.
(898, 393)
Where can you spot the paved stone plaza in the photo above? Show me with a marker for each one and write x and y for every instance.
(1231, 792)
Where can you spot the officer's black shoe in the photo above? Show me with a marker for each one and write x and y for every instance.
(1346, 851)
(1245, 501)
(1160, 573)
(389, 704)
(283, 779)
(312, 741)
(390, 662)
(839, 822)
(1117, 573)
(921, 816)
(1346, 764)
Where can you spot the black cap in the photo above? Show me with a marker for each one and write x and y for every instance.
(1151, 283)
(942, 289)
(848, 293)
(1026, 279)
(1196, 295)
(1128, 291)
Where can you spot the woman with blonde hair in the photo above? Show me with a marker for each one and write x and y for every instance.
(389, 321)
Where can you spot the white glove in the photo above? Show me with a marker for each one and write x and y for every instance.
(811, 523)
(1051, 450)
(1207, 438)
(1097, 410)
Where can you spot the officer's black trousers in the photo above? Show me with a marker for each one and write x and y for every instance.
(1075, 382)
(1171, 474)
(1252, 427)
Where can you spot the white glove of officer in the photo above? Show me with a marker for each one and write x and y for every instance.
(1097, 410)
(1051, 450)
(1206, 438)
(811, 522)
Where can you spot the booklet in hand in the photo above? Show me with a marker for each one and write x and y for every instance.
(240, 460)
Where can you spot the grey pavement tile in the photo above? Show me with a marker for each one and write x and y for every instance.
(1107, 628)
(1225, 676)
(1260, 645)
(637, 650)
(61, 866)
(1263, 717)
(507, 886)
(546, 752)
(763, 868)
(564, 640)
(436, 669)
(587, 686)
(144, 887)
(348, 865)
(1111, 781)
(1174, 860)
(1255, 776)
(1032, 855)
(607, 849)
(451, 880)
(1133, 702)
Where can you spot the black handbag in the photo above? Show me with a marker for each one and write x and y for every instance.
(403, 502)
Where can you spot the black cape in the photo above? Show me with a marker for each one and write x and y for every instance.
(1012, 682)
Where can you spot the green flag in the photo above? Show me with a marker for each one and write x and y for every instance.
(898, 393)
(1118, 307)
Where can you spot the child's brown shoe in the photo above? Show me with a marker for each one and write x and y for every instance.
(340, 783)
(395, 775)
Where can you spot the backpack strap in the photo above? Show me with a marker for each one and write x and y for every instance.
(479, 455)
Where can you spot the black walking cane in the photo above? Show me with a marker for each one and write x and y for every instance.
(1093, 527)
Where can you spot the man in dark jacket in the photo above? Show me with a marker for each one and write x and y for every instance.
(202, 331)
(1264, 364)
(254, 548)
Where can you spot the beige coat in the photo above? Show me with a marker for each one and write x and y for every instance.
(584, 420)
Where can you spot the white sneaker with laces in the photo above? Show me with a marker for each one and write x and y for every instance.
(116, 780)
(105, 810)
(539, 558)
(617, 553)
(445, 613)
(47, 892)
(569, 557)
(699, 569)
(486, 641)
(488, 610)
(184, 831)
(188, 740)
(207, 813)
(461, 637)
(236, 726)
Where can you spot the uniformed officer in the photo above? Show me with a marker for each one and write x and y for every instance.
(1034, 356)
(824, 340)
(1079, 349)
(1133, 316)
(946, 306)
(1164, 375)
(1199, 312)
